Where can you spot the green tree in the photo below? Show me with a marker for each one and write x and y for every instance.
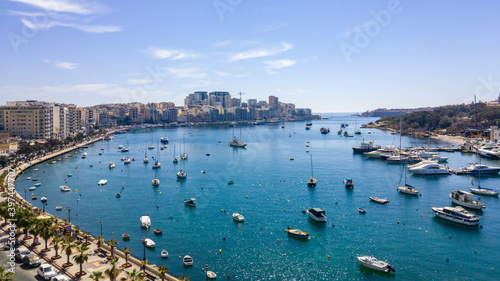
(56, 244)
(112, 272)
(46, 231)
(163, 272)
(67, 247)
(5, 275)
(126, 251)
(96, 276)
(82, 257)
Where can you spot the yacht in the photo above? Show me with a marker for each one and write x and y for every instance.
(379, 200)
(145, 221)
(238, 217)
(311, 182)
(372, 263)
(365, 147)
(156, 182)
(65, 188)
(190, 202)
(438, 158)
(490, 151)
(379, 153)
(480, 168)
(484, 191)
(317, 214)
(429, 168)
(236, 143)
(181, 175)
(456, 214)
(149, 243)
(187, 260)
(164, 140)
(151, 147)
(408, 189)
(466, 199)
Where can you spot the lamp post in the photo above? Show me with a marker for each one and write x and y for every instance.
(144, 246)
(44, 204)
(69, 214)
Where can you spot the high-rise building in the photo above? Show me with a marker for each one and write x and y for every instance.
(222, 99)
(273, 102)
(26, 121)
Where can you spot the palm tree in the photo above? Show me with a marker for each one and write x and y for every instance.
(163, 272)
(81, 257)
(35, 228)
(126, 251)
(112, 243)
(100, 240)
(112, 272)
(76, 231)
(96, 276)
(5, 275)
(86, 236)
(23, 217)
(47, 232)
(55, 242)
(184, 278)
(67, 247)
(143, 264)
(132, 275)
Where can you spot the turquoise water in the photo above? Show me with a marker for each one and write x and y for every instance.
(270, 191)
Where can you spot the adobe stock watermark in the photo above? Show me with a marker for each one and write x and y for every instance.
(362, 36)
(487, 89)
(150, 81)
(11, 191)
(223, 6)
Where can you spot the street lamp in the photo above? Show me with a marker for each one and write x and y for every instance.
(69, 213)
(44, 204)
(144, 246)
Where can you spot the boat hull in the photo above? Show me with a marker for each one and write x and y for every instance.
(467, 205)
(407, 190)
(316, 218)
(483, 191)
(375, 265)
(455, 219)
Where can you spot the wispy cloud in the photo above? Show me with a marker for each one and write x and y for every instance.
(190, 72)
(233, 43)
(66, 13)
(258, 53)
(172, 54)
(66, 65)
(65, 6)
(277, 64)
(272, 26)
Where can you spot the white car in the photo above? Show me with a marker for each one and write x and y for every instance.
(59, 278)
(46, 271)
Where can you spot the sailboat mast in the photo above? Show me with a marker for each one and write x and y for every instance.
(312, 173)
(400, 134)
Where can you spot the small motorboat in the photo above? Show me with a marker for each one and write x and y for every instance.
(65, 188)
(379, 200)
(145, 221)
(202, 171)
(43, 199)
(35, 179)
(317, 214)
(32, 188)
(208, 154)
(34, 197)
(118, 195)
(126, 236)
(70, 175)
(230, 182)
(58, 208)
(149, 243)
(238, 217)
(361, 211)
(28, 178)
(158, 232)
(466, 199)
(348, 183)
(37, 184)
(164, 254)
(102, 182)
(187, 260)
(191, 202)
(111, 165)
(457, 214)
(297, 233)
(372, 263)
(211, 275)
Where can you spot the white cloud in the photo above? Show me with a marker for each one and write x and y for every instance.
(86, 28)
(277, 64)
(65, 6)
(66, 65)
(258, 53)
(172, 54)
(191, 72)
(232, 43)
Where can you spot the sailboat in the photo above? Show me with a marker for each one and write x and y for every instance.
(312, 181)
(146, 160)
(156, 182)
(237, 142)
(357, 132)
(175, 159)
(157, 163)
(283, 126)
(480, 190)
(407, 189)
(181, 175)
(184, 155)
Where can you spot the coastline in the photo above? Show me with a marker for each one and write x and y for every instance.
(458, 140)
(152, 269)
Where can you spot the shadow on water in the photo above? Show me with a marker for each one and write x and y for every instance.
(375, 272)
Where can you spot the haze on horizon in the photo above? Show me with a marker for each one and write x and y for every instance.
(330, 56)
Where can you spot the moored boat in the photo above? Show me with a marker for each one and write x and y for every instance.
(348, 183)
(111, 165)
(187, 260)
(361, 210)
(65, 188)
(484, 191)
(164, 254)
(365, 147)
(456, 214)
(125, 236)
(43, 199)
(372, 263)
(238, 217)
(297, 233)
(211, 275)
(407, 189)
(324, 130)
(190, 202)
(145, 221)
(149, 243)
(102, 182)
(158, 231)
(465, 199)
(317, 214)
(379, 200)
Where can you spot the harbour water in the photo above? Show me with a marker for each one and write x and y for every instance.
(270, 191)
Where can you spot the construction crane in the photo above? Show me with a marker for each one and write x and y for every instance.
(240, 93)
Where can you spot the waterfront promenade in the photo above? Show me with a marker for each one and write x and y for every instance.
(98, 260)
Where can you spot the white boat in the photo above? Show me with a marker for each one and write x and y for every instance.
(187, 260)
(317, 214)
(211, 275)
(58, 208)
(311, 182)
(181, 175)
(145, 160)
(407, 189)
(438, 158)
(156, 182)
(102, 182)
(164, 253)
(149, 243)
(372, 263)
(43, 199)
(164, 140)
(429, 168)
(380, 152)
(379, 200)
(111, 165)
(190, 202)
(120, 147)
(37, 184)
(238, 217)
(456, 214)
(484, 191)
(32, 188)
(145, 221)
(365, 147)
(480, 168)
(127, 160)
(151, 147)
(28, 178)
(156, 165)
(466, 199)
(237, 143)
(65, 188)
(84, 155)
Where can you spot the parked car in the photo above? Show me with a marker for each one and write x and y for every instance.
(31, 260)
(7, 245)
(20, 252)
(46, 271)
(60, 278)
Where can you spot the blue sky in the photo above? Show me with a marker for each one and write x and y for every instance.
(331, 56)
